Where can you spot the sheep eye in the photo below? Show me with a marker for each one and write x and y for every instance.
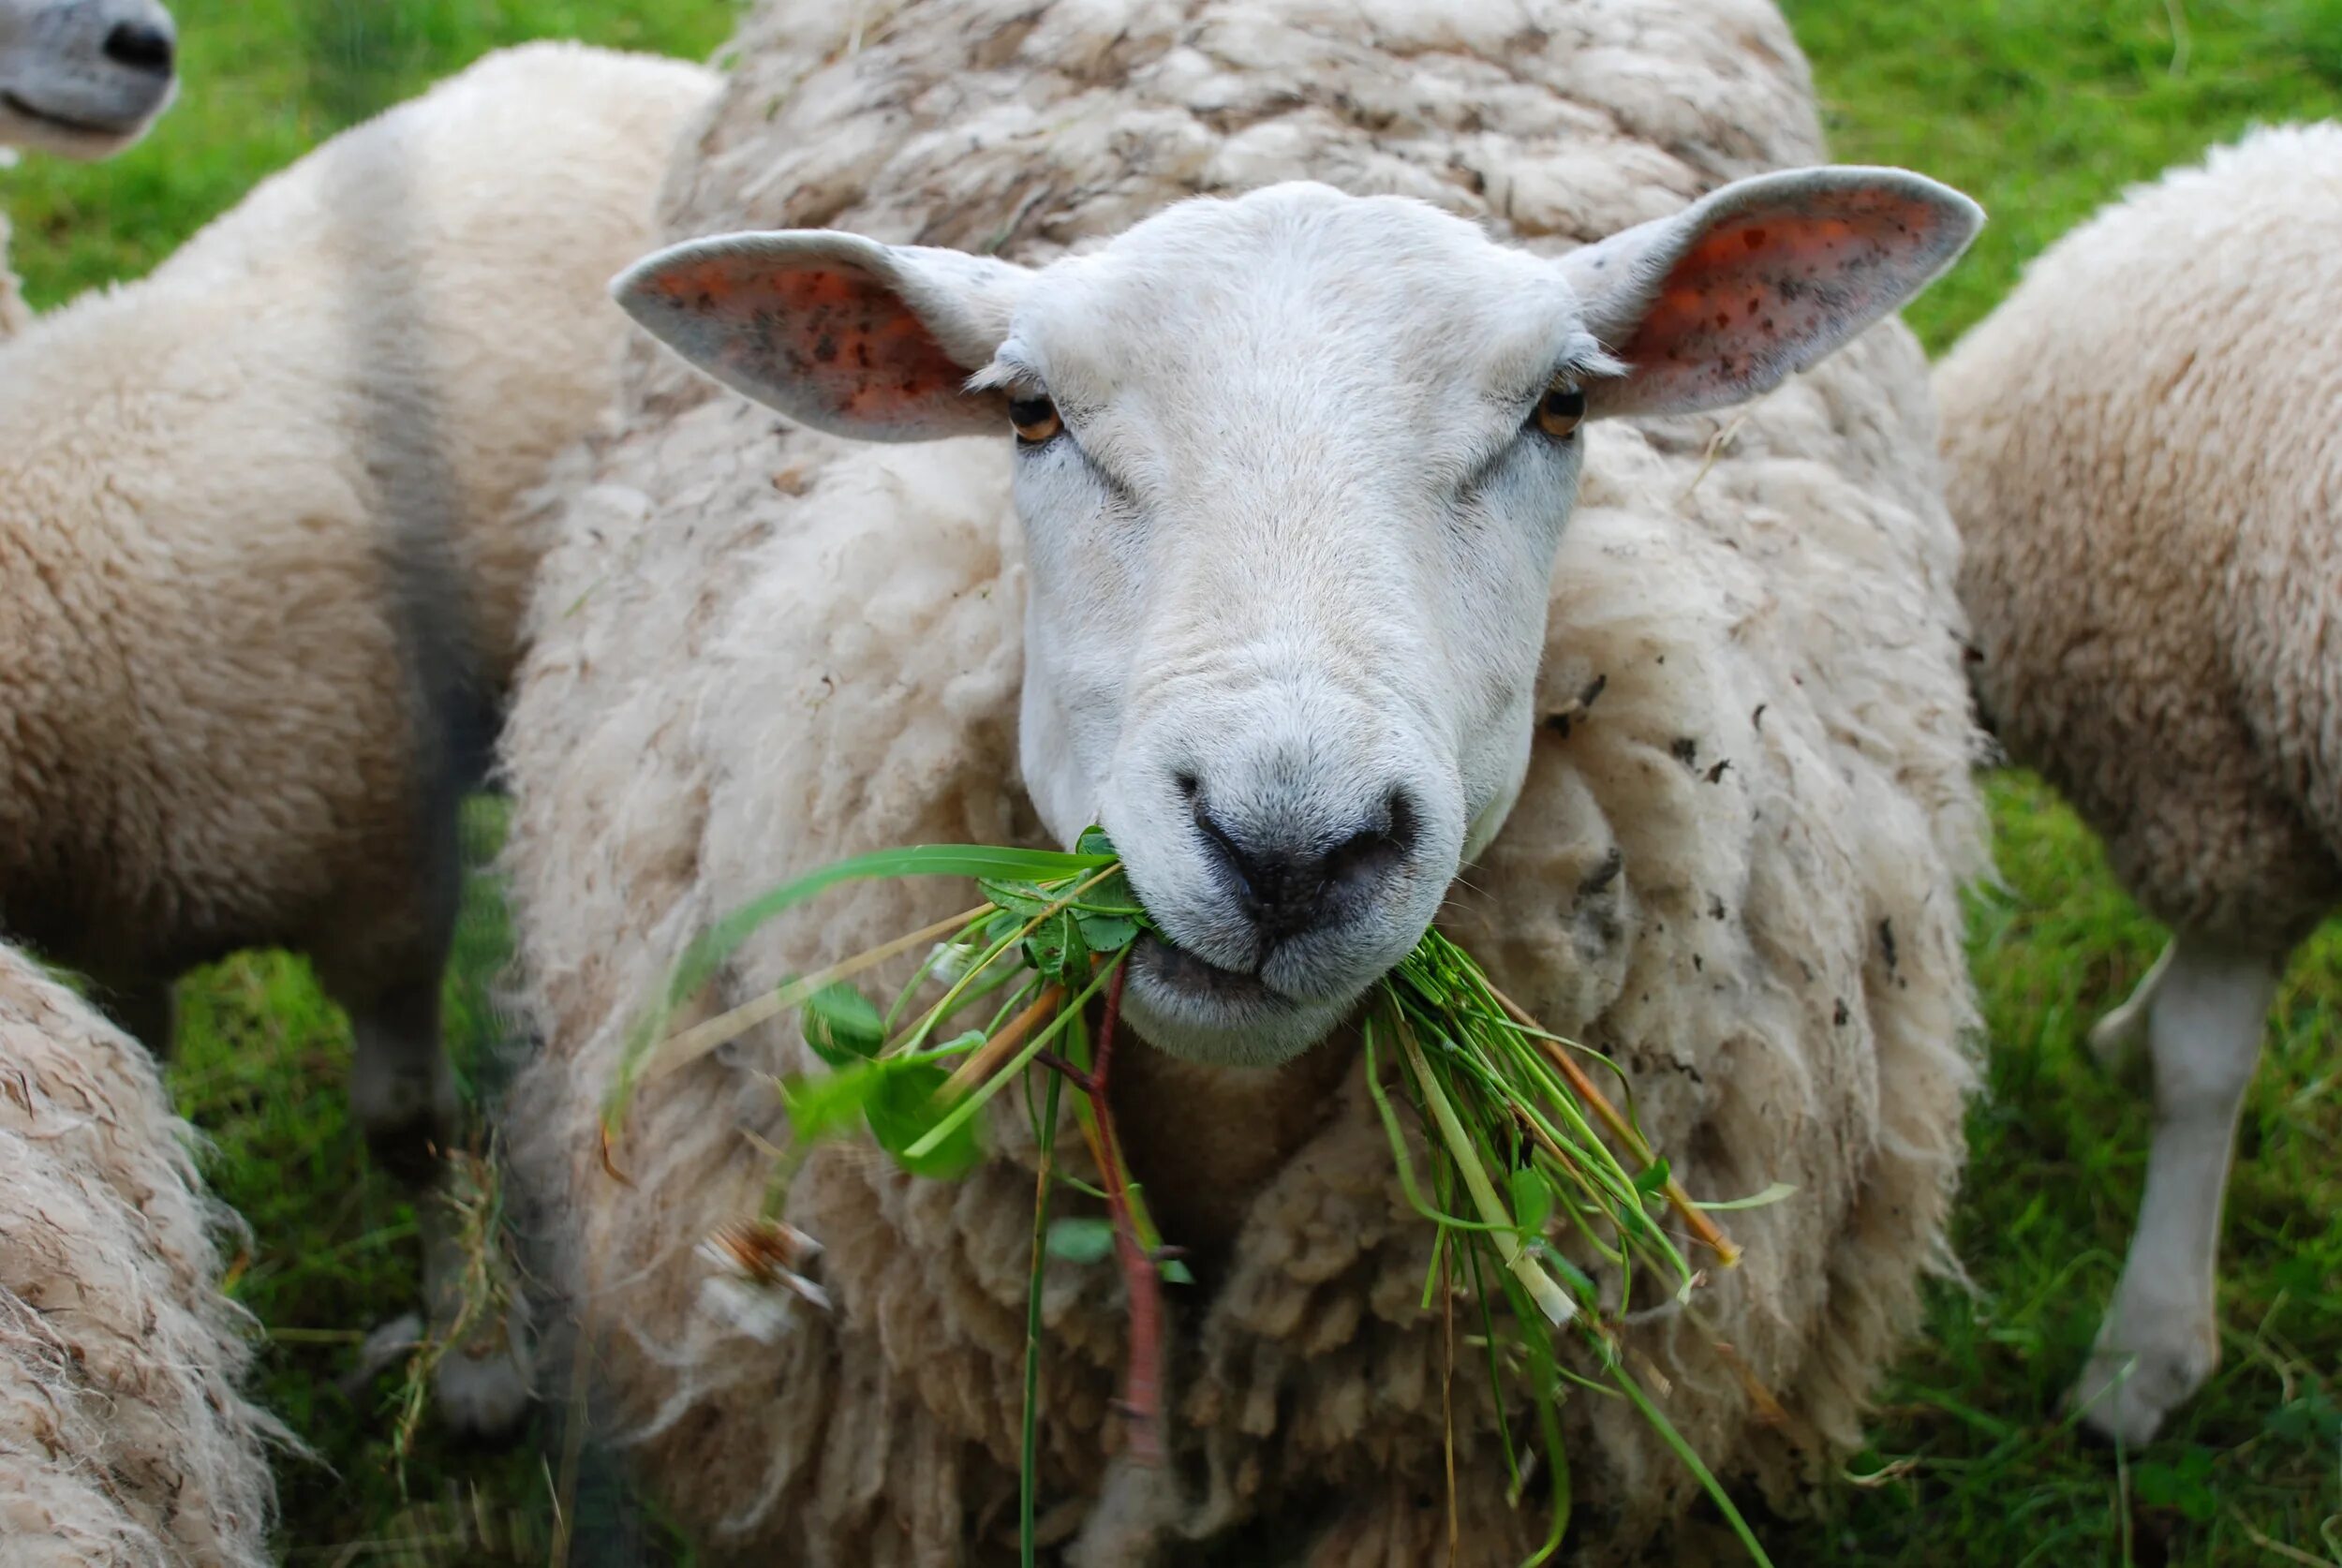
(1561, 410)
(1036, 420)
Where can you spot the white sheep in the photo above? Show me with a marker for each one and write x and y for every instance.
(80, 78)
(123, 1440)
(2138, 456)
(1732, 863)
(264, 568)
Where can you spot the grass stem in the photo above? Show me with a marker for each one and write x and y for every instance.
(1550, 1299)
(1028, 1471)
(685, 1047)
(1704, 1229)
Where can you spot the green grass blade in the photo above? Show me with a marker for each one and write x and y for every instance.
(1683, 1451)
(974, 1102)
(1028, 1470)
(718, 943)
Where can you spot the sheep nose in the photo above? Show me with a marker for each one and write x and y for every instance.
(143, 46)
(1290, 881)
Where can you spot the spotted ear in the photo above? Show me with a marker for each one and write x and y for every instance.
(1760, 280)
(836, 332)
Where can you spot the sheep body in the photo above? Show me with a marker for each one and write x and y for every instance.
(260, 507)
(2147, 564)
(123, 1440)
(2139, 467)
(229, 475)
(1734, 864)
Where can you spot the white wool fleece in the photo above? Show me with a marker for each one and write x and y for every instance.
(1733, 863)
(125, 1439)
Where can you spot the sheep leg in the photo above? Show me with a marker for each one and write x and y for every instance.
(404, 1096)
(401, 1090)
(2160, 1339)
(145, 1010)
(2114, 1036)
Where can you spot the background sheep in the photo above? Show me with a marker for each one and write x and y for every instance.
(123, 1441)
(259, 507)
(2140, 461)
(1734, 864)
(80, 77)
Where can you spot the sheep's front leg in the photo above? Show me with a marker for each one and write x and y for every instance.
(146, 1009)
(404, 1096)
(2160, 1339)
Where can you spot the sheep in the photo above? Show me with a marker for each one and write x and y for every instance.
(84, 79)
(2135, 456)
(125, 1441)
(265, 571)
(1732, 861)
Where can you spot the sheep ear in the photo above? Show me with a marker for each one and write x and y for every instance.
(837, 332)
(1760, 280)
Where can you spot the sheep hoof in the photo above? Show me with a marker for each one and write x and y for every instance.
(481, 1381)
(483, 1388)
(385, 1348)
(2125, 1394)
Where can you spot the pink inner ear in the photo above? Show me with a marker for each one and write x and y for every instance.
(836, 332)
(1756, 283)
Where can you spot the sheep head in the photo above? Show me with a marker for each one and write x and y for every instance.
(1292, 470)
(83, 79)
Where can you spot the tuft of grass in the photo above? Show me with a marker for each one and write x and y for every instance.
(1490, 1089)
(262, 1067)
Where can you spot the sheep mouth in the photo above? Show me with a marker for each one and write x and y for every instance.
(104, 129)
(1189, 1007)
(1167, 965)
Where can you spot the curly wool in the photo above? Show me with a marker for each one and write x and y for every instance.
(2137, 452)
(1734, 867)
(123, 1440)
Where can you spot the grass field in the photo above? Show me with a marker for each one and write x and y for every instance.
(2039, 108)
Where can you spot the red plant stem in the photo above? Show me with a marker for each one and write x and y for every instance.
(1142, 1389)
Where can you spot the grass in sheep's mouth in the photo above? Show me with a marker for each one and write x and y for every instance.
(1508, 1114)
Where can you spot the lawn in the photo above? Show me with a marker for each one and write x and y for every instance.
(2042, 109)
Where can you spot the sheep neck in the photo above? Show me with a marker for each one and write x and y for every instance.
(1203, 1141)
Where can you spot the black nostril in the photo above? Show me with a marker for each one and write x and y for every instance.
(1402, 823)
(142, 46)
(1288, 891)
(1368, 857)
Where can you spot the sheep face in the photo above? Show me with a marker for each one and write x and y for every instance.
(83, 78)
(1292, 470)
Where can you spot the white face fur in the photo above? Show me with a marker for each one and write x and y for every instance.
(83, 79)
(1292, 470)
